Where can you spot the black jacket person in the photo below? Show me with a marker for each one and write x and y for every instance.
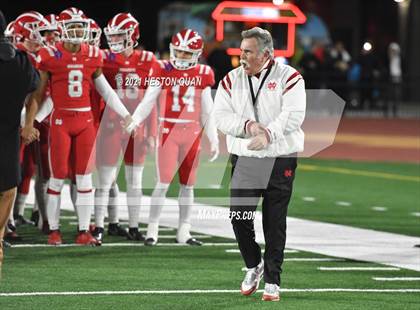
(18, 78)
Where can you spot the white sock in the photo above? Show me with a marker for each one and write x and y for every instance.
(84, 205)
(185, 201)
(101, 200)
(85, 200)
(133, 176)
(106, 176)
(53, 202)
(53, 211)
(20, 203)
(73, 195)
(157, 201)
(113, 204)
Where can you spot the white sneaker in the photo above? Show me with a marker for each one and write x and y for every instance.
(252, 279)
(271, 292)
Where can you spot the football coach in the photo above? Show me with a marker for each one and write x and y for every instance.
(260, 106)
(18, 78)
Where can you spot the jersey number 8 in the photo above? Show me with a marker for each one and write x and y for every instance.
(75, 83)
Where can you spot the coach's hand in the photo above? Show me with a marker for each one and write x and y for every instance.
(259, 142)
(29, 134)
(254, 129)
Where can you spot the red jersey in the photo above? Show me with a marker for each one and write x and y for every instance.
(70, 74)
(128, 77)
(181, 96)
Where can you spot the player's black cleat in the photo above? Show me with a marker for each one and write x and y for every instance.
(35, 217)
(98, 234)
(114, 229)
(20, 220)
(194, 242)
(150, 242)
(135, 235)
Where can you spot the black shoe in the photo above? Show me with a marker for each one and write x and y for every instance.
(35, 217)
(4, 244)
(20, 220)
(98, 234)
(114, 229)
(135, 234)
(150, 242)
(194, 242)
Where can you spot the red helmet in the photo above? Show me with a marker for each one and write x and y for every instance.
(186, 40)
(66, 21)
(11, 35)
(49, 29)
(95, 33)
(125, 26)
(27, 26)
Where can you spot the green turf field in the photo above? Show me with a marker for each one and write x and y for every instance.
(393, 186)
(157, 274)
(168, 276)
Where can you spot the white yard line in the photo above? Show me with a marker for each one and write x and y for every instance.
(122, 244)
(379, 209)
(343, 203)
(397, 279)
(219, 291)
(314, 259)
(308, 199)
(304, 235)
(262, 251)
(358, 268)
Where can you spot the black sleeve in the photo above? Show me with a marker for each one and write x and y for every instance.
(32, 75)
(33, 78)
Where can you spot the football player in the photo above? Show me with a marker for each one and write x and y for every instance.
(185, 107)
(126, 70)
(72, 67)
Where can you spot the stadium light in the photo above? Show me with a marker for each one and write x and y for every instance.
(367, 46)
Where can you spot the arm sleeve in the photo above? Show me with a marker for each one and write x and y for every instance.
(45, 110)
(293, 110)
(146, 105)
(227, 120)
(109, 96)
(207, 116)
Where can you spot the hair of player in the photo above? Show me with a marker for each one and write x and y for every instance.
(263, 37)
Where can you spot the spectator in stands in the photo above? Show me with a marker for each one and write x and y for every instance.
(338, 64)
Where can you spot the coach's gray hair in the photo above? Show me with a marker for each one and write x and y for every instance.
(265, 41)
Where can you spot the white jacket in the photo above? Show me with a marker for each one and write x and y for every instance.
(280, 107)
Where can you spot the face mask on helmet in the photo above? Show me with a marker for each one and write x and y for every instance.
(183, 58)
(119, 40)
(75, 32)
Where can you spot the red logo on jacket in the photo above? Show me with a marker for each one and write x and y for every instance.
(272, 85)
